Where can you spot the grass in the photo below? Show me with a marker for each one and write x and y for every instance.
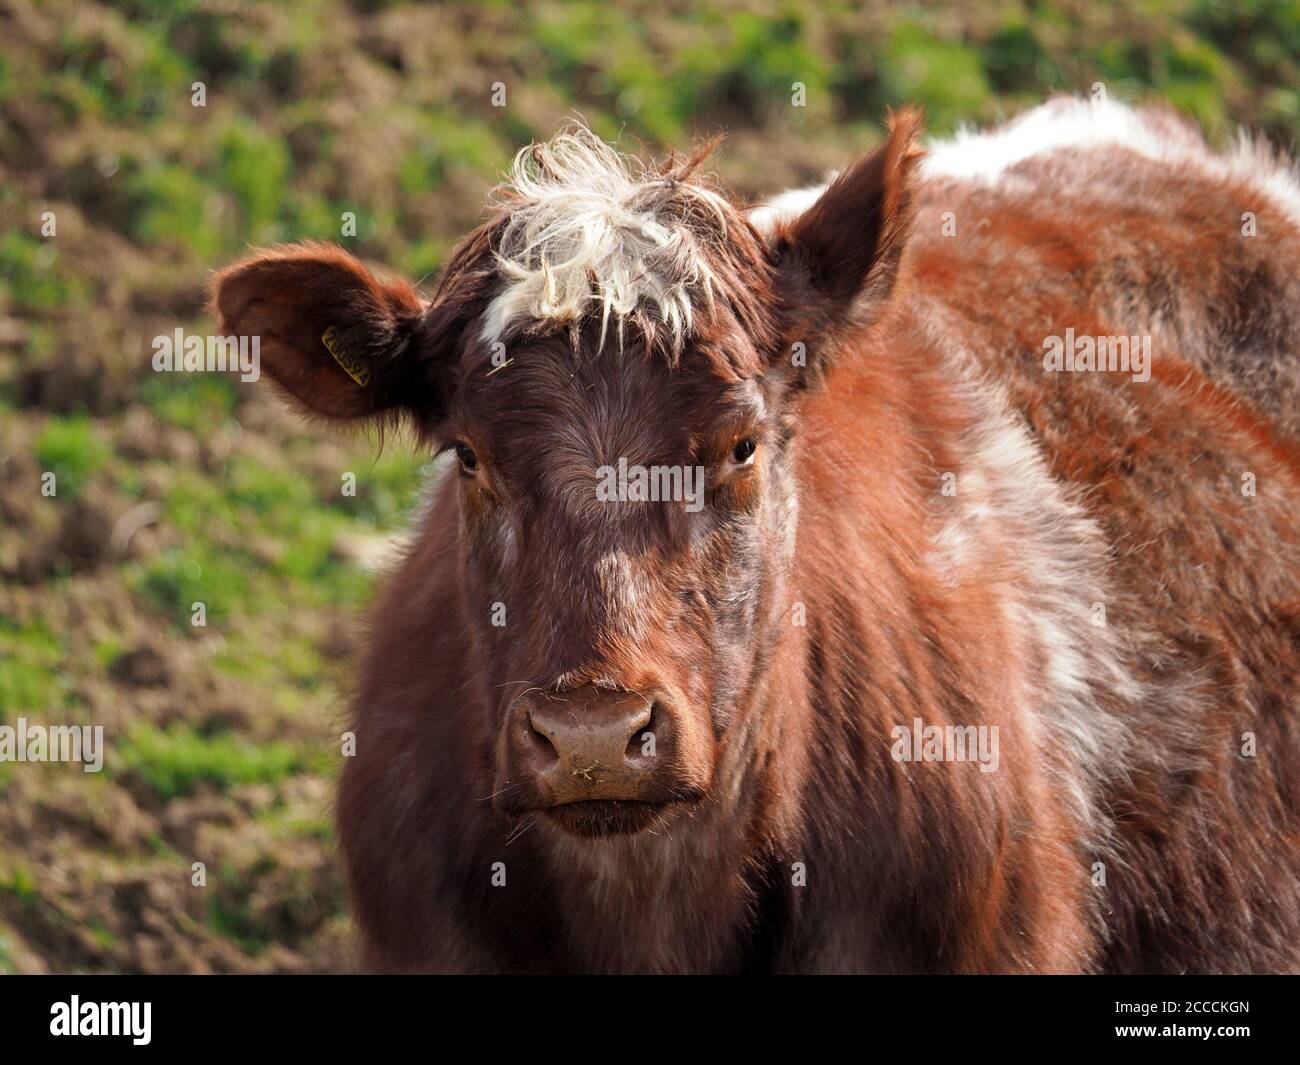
(177, 579)
(19, 882)
(233, 919)
(32, 275)
(174, 206)
(274, 164)
(30, 678)
(251, 501)
(947, 75)
(71, 449)
(175, 760)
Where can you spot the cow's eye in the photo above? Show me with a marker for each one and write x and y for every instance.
(468, 460)
(743, 452)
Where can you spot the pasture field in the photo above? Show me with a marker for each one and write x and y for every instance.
(223, 739)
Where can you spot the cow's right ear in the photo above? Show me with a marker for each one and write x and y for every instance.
(342, 342)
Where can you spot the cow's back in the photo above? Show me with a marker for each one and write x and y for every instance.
(1130, 228)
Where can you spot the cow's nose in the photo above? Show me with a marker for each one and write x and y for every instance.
(591, 745)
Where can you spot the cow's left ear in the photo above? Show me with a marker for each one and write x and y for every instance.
(343, 343)
(839, 259)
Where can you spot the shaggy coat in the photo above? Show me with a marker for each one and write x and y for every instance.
(941, 522)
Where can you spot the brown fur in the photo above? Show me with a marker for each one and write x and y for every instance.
(910, 867)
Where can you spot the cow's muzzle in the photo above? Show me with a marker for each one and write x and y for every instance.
(599, 761)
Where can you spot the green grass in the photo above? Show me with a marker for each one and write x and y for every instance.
(282, 148)
(30, 677)
(232, 919)
(72, 450)
(289, 823)
(446, 141)
(198, 402)
(108, 651)
(221, 517)
(254, 166)
(19, 882)
(172, 205)
(173, 761)
(31, 271)
(177, 579)
(387, 484)
(946, 76)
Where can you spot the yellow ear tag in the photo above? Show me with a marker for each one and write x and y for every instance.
(355, 370)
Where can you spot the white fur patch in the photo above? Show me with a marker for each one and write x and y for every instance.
(1006, 494)
(789, 204)
(1067, 123)
(592, 231)
(985, 156)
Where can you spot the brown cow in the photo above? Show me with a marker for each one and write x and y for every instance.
(901, 577)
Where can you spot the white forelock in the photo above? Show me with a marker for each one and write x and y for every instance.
(590, 230)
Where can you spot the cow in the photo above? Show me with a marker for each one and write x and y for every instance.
(964, 639)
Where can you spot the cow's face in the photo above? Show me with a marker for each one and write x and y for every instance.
(627, 530)
(614, 367)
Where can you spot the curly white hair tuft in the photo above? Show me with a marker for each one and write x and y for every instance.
(592, 231)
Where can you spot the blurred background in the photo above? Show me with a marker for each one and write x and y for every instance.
(223, 739)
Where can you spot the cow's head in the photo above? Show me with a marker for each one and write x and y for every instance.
(615, 361)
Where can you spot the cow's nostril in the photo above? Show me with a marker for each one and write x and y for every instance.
(641, 746)
(543, 750)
